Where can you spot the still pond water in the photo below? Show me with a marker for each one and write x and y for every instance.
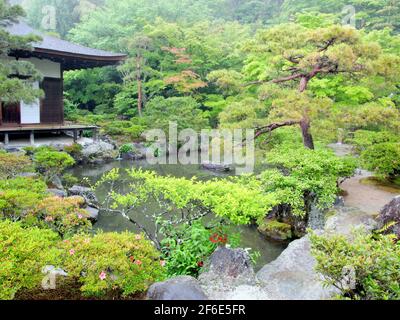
(250, 237)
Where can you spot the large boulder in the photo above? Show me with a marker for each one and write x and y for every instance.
(99, 151)
(58, 193)
(226, 270)
(57, 183)
(93, 213)
(344, 220)
(292, 275)
(86, 193)
(179, 288)
(391, 214)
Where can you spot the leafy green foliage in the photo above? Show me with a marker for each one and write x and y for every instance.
(23, 254)
(383, 158)
(62, 215)
(126, 148)
(112, 261)
(187, 248)
(16, 77)
(182, 110)
(375, 260)
(20, 195)
(303, 175)
(364, 139)
(13, 164)
(52, 163)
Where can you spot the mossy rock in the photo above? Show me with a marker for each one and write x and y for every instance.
(276, 230)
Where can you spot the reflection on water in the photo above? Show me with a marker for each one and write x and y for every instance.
(250, 237)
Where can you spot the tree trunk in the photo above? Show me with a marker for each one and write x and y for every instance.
(139, 86)
(308, 140)
(305, 123)
(303, 84)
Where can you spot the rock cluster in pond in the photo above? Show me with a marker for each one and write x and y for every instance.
(139, 152)
(390, 214)
(96, 152)
(216, 167)
(179, 288)
(86, 193)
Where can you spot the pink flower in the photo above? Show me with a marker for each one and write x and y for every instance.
(72, 252)
(138, 262)
(49, 219)
(103, 276)
(80, 216)
(162, 263)
(138, 237)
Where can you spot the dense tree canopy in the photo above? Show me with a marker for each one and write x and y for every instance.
(16, 77)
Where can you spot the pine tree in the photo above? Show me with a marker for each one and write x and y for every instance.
(16, 77)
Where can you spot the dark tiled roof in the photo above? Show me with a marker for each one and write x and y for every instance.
(55, 44)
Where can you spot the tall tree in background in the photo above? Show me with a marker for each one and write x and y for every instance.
(286, 58)
(16, 77)
(136, 68)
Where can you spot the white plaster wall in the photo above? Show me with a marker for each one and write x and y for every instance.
(30, 113)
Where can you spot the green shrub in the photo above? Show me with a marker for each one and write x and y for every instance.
(126, 148)
(375, 260)
(18, 196)
(116, 128)
(187, 248)
(134, 132)
(302, 173)
(52, 163)
(75, 150)
(13, 164)
(185, 111)
(23, 254)
(112, 261)
(63, 215)
(364, 139)
(384, 159)
(69, 180)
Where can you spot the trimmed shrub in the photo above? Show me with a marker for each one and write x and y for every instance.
(382, 158)
(364, 139)
(52, 163)
(375, 260)
(23, 254)
(13, 164)
(112, 261)
(63, 215)
(20, 195)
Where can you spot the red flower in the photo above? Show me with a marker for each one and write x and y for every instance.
(132, 259)
(200, 264)
(214, 238)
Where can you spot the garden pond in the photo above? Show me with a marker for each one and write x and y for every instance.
(250, 237)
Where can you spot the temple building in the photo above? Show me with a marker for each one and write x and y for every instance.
(52, 56)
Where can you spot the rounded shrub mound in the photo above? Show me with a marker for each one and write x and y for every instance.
(383, 158)
(63, 215)
(112, 261)
(23, 254)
